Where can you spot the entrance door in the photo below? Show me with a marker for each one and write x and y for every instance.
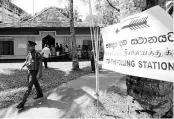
(49, 40)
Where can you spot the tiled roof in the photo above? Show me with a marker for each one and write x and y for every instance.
(51, 14)
(49, 17)
(44, 24)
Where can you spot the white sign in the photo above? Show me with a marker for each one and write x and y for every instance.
(141, 45)
(22, 46)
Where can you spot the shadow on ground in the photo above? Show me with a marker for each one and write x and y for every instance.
(61, 102)
(69, 100)
(13, 82)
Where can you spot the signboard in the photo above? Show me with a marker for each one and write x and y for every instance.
(141, 45)
(22, 46)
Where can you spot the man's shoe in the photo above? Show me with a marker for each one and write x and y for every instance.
(20, 106)
(38, 96)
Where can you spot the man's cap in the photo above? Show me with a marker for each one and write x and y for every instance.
(31, 43)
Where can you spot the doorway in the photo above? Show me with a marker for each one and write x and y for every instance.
(49, 40)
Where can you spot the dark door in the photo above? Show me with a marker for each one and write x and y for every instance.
(49, 40)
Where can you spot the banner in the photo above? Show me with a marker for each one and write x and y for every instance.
(141, 45)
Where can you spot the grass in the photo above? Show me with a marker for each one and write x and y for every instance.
(13, 83)
(115, 104)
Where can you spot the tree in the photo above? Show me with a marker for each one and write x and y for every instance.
(130, 7)
(169, 7)
(75, 63)
(110, 14)
(76, 15)
(95, 19)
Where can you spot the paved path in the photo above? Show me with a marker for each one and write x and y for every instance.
(66, 100)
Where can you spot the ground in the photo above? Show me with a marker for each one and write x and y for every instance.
(74, 99)
(13, 82)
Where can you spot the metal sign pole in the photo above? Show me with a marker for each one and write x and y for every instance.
(33, 7)
(3, 7)
(97, 70)
(94, 33)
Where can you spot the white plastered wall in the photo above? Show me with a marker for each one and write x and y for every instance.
(20, 42)
(20, 45)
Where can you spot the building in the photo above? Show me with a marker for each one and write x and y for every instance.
(9, 12)
(49, 26)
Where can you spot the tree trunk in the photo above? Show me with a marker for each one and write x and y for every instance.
(75, 62)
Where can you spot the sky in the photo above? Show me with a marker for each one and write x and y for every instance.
(39, 5)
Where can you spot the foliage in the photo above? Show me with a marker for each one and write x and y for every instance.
(109, 15)
(76, 14)
(94, 17)
(169, 7)
(115, 10)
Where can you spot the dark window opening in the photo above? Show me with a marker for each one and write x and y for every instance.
(6, 48)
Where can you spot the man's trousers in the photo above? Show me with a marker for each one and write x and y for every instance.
(45, 60)
(32, 80)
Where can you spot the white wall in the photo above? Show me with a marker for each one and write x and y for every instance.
(22, 40)
(58, 39)
(20, 45)
(79, 40)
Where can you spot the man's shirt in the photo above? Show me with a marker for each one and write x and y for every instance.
(32, 60)
(66, 49)
(46, 52)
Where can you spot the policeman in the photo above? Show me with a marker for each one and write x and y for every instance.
(32, 63)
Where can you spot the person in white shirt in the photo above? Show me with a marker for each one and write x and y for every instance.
(46, 53)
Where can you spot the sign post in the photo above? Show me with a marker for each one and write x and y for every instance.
(95, 37)
(141, 45)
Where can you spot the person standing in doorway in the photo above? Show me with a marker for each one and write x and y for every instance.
(61, 52)
(89, 51)
(53, 50)
(32, 63)
(66, 52)
(46, 53)
(61, 49)
(57, 49)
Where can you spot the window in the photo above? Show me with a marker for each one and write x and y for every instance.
(6, 46)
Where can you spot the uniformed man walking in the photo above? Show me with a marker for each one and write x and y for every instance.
(32, 62)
